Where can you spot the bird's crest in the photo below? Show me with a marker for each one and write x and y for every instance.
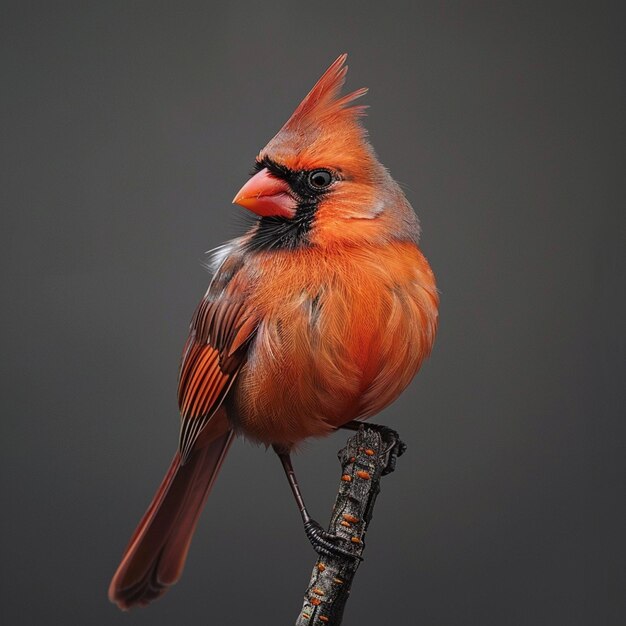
(324, 129)
(325, 99)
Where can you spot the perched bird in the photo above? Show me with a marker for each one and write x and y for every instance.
(317, 317)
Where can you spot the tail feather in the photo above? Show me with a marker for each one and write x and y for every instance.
(155, 556)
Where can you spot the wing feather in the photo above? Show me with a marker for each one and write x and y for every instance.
(221, 330)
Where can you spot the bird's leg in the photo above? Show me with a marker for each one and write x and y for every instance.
(323, 542)
(395, 446)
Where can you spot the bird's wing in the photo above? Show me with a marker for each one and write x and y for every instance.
(221, 330)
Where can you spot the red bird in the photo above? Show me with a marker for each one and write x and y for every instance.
(320, 315)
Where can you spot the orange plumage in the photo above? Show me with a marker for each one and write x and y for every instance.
(320, 314)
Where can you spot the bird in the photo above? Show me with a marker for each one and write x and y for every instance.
(315, 319)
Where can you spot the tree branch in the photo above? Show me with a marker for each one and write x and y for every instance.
(362, 462)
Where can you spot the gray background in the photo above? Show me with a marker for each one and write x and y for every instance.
(128, 127)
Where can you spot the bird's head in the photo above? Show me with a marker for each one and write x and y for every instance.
(318, 181)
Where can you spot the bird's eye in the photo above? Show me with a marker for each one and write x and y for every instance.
(319, 179)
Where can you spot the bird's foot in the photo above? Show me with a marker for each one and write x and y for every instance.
(395, 446)
(324, 543)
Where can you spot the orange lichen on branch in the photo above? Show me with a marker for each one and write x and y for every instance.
(329, 586)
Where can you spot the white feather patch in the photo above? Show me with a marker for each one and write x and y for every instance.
(218, 255)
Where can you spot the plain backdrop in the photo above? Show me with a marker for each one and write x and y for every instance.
(127, 127)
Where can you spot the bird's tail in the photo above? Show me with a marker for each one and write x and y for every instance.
(155, 556)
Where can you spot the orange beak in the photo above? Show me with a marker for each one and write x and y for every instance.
(267, 196)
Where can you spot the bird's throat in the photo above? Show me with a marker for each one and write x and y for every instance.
(278, 233)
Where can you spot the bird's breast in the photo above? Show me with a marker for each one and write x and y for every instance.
(340, 336)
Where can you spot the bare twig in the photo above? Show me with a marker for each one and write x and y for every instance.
(362, 462)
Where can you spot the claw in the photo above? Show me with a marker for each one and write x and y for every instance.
(324, 543)
(401, 447)
(396, 446)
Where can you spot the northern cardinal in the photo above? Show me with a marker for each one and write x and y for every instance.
(317, 317)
